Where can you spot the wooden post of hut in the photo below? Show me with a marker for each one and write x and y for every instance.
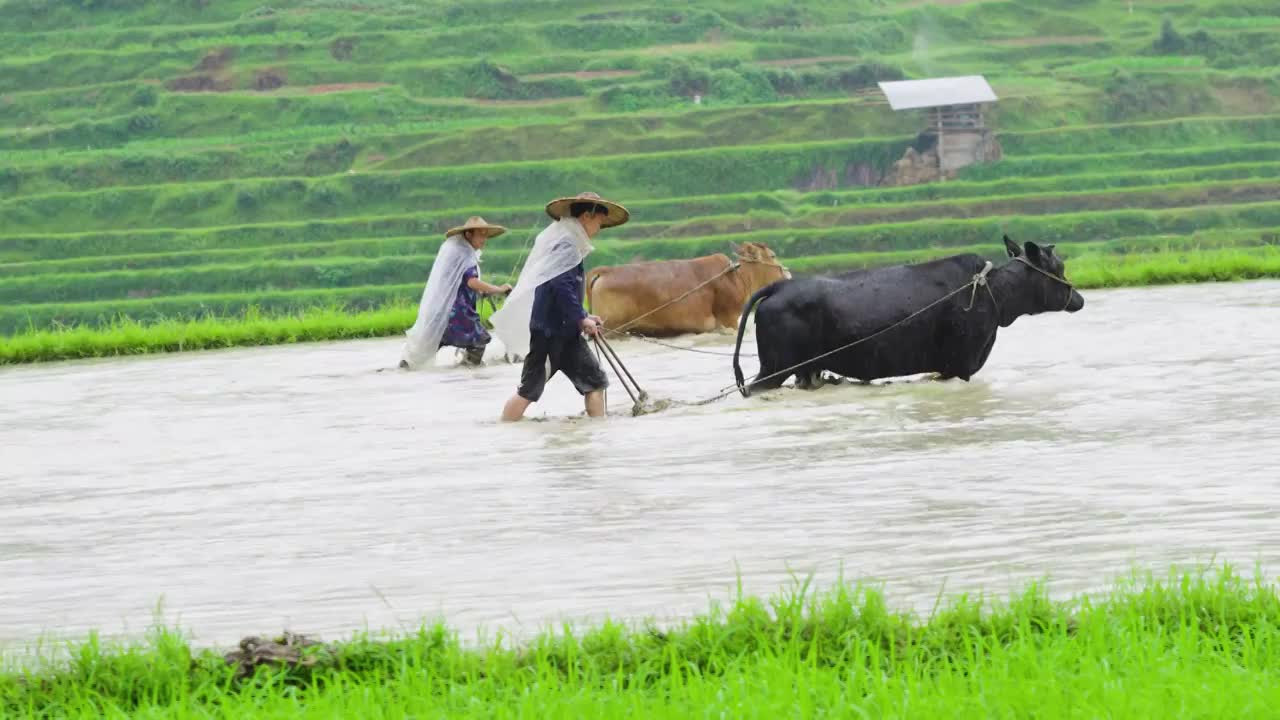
(956, 132)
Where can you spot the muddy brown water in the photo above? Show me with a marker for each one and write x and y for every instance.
(252, 490)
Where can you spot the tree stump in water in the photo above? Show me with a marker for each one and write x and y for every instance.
(284, 651)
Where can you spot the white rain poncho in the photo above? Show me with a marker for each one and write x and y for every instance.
(452, 261)
(558, 249)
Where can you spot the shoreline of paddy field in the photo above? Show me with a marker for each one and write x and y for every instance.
(1197, 642)
(252, 327)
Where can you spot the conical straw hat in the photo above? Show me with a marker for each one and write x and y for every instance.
(617, 214)
(475, 222)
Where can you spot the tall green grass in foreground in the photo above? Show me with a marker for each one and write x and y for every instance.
(1194, 645)
(252, 328)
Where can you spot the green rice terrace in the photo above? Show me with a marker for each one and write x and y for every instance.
(220, 172)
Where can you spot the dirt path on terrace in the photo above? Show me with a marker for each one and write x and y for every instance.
(1048, 40)
(584, 75)
(797, 62)
(525, 103)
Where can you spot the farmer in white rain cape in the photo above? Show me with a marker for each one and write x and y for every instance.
(447, 315)
(543, 319)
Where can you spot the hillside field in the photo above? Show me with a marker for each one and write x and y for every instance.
(174, 173)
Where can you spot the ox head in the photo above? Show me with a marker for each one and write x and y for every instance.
(1045, 281)
(762, 259)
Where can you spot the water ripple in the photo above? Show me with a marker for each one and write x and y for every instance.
(299, 486)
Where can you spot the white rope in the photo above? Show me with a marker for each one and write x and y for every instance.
(979, 279)
(732, 267)
(645, 338)
(515, 269)
(1049, 275)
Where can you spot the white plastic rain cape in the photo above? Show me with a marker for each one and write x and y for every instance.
(423, 339)
(558, 249)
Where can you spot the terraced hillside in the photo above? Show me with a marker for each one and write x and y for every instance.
(211, 158)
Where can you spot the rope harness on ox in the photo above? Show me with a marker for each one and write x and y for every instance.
(733, 267)
(686, 348)
(979, 280)
(606, 352)
(639, 396)
(1066, 303)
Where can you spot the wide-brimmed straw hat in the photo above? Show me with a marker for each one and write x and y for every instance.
(475, 222)
(617, 214)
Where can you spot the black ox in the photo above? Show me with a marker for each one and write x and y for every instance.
(804, 326)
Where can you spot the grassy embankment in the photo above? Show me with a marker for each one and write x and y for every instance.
(186, 177)
(126, 336)
(1194, 645)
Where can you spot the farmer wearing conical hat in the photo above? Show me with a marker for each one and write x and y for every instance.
(447, 315)
(543, 319)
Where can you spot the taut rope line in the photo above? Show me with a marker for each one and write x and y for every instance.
(655, 341)
(979, 279)
(515, 269)
(622, 330)
(733, 267)
(1049, 275)
(972, 299)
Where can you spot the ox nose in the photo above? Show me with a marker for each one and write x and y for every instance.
(1077, 302)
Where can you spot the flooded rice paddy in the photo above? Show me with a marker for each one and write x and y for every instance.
(252, 490)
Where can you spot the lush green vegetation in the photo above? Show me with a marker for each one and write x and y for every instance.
(1195, 644)
(201, 175)
(127, 336)
(105, 329)
(171, 167)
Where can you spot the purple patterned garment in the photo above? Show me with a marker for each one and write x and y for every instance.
(464, 328)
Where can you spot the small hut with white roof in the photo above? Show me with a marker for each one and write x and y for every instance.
(956, 132)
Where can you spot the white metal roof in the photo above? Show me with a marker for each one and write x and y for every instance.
(909, 94)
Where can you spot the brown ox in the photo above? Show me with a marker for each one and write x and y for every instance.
(625, 296)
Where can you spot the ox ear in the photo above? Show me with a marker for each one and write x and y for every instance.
(1033, 251)
(1011, 247)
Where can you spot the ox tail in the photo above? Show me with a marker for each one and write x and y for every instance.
(591, 283)
(747, 308)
